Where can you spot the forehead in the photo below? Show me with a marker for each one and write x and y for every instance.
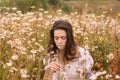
(59, 32)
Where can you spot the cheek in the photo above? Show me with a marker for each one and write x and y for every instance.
(56, 42)
(65, 42)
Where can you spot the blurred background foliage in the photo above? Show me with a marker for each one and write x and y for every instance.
(102, 43)
(67, 6)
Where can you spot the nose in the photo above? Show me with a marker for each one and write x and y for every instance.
(59, 41)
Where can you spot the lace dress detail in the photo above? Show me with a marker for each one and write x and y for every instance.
(73, 70)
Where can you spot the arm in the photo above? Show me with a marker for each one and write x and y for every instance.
(51, 68)
(82, 78)
(86, 61)
(89, 64)
(48, 74)
(89, 61)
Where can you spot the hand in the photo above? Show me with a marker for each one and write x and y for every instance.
(82, 78)
(54, 66)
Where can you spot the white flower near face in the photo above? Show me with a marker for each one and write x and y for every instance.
(14, 57)
(24, 73)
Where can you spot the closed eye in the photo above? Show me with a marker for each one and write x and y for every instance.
(63, 38)
(56, 38)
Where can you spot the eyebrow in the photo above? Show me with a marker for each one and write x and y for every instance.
(60, 36)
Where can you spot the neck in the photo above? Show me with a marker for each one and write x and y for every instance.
(62, 58)
(61, 54)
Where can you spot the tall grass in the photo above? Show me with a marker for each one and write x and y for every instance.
(24, 39)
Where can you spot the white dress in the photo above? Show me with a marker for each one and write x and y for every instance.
(72, 71)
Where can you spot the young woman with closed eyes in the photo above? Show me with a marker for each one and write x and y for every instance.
(66, 60)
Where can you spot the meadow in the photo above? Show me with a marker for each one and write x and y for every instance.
(24, 39)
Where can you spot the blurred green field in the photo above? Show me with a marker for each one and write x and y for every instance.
(96, 6)
(24, 34)
(89, 6)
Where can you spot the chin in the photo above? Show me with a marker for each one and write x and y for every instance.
(60, 48)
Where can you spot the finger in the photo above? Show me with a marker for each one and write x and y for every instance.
(54, 66)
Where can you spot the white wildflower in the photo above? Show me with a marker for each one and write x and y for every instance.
(108, 76)
(31, 57)
(97, 74)
(9, 63)
(14, 57)
(46, 12)
(117, 77)
(13, 69)
(87, 47)
(32, 6)
(41, 9)
(49, 16)
(24, 73)
(14, 8)
(42, 35)
(33, 51)
(33, 39)
(110, 56)
(59, 10)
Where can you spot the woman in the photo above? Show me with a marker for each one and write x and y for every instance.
(66, 60)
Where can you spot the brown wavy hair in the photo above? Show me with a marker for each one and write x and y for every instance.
(70, 48)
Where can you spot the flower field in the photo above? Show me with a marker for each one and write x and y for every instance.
(24, 39)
